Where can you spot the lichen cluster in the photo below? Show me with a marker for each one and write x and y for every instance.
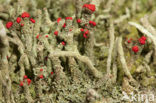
(76, 51)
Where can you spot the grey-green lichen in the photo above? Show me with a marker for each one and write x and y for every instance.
(76, 69)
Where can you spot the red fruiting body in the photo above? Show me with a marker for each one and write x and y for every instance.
(58, 20)
(89, 6)
(52, 73)
(87, 31)
(9, 24)
(78, 20)
(70, 29)
(18, 20)
(25, 77)
(129, 41)
(25, 15)
(68, 18)
(22, 25)
(143, 37)
(92, 23)
(41, 76)
(82, 29)
(41, 70)
(32, 20)
(21, 83)
(46, 36)
(63, 43)
(64, 25)
(135, 49)
(7, 57)
(141, 41)
(37, 36)
(56, 33)
(28, 81)
(84, 35)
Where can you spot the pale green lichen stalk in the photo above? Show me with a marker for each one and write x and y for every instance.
(76, 51)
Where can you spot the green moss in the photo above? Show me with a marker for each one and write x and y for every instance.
(148, 81)
(133, 69)
(41, 3)
(139, 61)
(133, 33)
(136, 64)
(32, 91)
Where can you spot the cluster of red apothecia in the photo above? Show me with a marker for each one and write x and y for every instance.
(64, 25)
(90, 7)
(142, 41)
(85, 31)
(27, 15)
(26, 79)
(19, 19)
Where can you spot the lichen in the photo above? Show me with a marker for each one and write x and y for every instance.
(76, 51)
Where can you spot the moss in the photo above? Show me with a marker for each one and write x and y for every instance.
(32, 90)
(41, 3)
(136, 64)
(148, 81)
(133, 32)
(133, 69)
